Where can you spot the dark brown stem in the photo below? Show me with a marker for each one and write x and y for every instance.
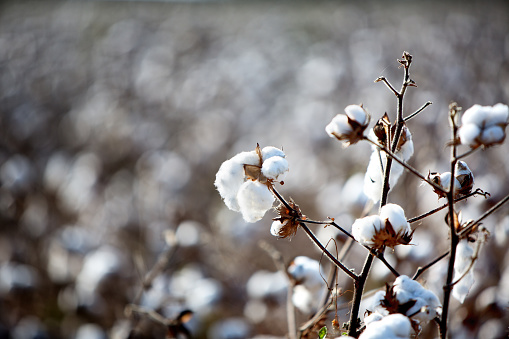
(454, 238)
(427, 214)
(357, 291)
(328, 222)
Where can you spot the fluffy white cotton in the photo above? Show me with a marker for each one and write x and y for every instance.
(372, 317)
(464, 253)
(373, 180)
(357, 113)
(276, 227)
(254, 200)
(364, 229)
(396, 216)
(427, 302)
(468, 134)
(275, 167)
(492, 135)
(231, 176)
(483, 125)
(393, 326)
(338, 126)
(407, 149)
(476, 115)
(445, 181)
(270, 151)
(239, 192)
(307, 292)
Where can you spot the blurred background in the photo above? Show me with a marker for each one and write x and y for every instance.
(115, 117)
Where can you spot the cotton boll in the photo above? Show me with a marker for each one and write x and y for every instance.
(445, 181)
(254, 199)
(464, 253)
(374, 178)
(364, 229)
(338, 126)
(393, 326)
(357, 113)
(492, 135)
(468, 134)
(275, 167)
(247, 158)
(306, 271)
(407, 289)
(396, 216)
(270, 151)
(303, 299)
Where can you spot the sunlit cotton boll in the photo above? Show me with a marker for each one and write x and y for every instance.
(394, 326)
(464, 253)
(396, 216)
(365, 229)
(483, 125)
(426, 301)
(254, 199)
(357, 114)
(275, 168)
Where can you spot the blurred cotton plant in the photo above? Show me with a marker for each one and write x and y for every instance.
(246, 182)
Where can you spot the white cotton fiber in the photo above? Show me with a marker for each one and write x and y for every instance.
(254, 199)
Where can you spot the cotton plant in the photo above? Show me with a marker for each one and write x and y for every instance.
(247, 184)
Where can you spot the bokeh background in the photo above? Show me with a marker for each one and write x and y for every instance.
(115, 116)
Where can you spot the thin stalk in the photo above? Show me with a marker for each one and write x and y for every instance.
(328, 222)
(422, 269)
(482, 217)
(454, 238)
(427, 214)
(414, 114)
(327, 253)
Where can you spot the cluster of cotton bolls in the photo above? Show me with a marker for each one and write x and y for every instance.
(390, 228)
(483, 125)
(425, 305)
(243, 181)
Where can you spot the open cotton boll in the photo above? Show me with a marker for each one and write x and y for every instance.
(407, 149)
(275, 167)
(338, 126)
(464, 253)
(306, 271)
(373, 180)
(468, 134)
(393, 326)
(254, 199)
(396, 216)
(372, 317)
(492, 135)
(357, 113)
(445, 181)
(407, 289)
(271, 151)
(365, 229)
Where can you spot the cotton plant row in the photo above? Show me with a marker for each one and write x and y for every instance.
(248, 184)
